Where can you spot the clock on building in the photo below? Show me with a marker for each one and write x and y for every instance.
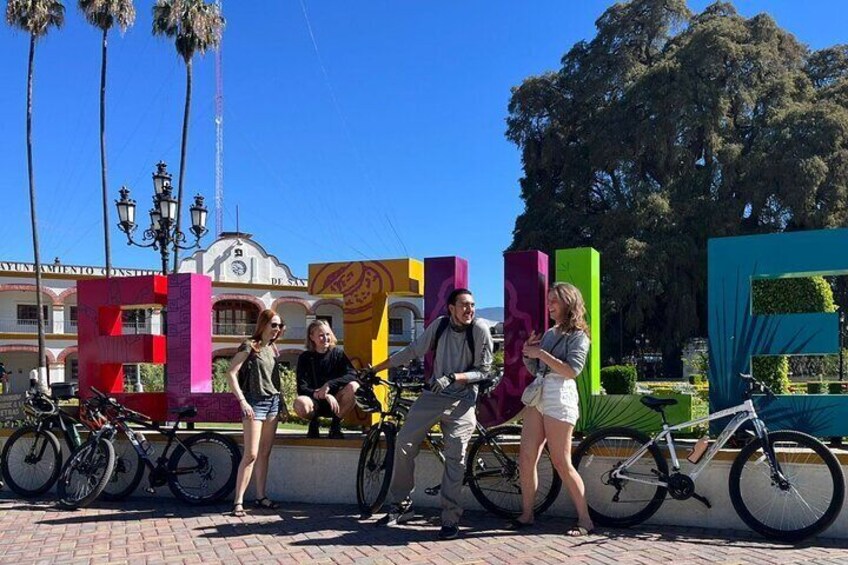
(238, 267)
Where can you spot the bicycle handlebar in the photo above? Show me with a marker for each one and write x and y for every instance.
(122, 410)
(753, 385)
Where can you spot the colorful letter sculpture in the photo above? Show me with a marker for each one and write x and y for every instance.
(365, 287)
(103, 348)
(735, 334)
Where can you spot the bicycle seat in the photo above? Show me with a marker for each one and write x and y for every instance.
(657, 403)
(188, 412)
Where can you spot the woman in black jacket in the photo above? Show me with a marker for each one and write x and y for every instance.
(326, 384)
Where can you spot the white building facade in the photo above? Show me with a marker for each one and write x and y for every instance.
(246, 279)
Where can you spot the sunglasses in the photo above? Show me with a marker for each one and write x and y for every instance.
(275, 325)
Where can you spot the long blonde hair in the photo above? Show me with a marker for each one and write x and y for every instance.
(575, 308)
(310, 346)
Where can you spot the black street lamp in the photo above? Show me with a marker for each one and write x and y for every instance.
(162, 233)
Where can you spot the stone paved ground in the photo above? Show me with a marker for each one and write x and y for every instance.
(163, 531)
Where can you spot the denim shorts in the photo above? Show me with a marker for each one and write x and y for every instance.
(265, 407)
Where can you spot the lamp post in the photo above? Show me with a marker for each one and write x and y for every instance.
(841, 354)
(162, 235)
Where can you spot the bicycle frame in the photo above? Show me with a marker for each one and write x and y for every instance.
(741, 413)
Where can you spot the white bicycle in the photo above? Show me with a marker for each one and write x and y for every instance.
(785, 485)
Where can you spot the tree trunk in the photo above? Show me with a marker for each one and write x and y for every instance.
(33, 219)
(183, 160)
(103, 157)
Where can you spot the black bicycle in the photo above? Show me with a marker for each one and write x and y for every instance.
(491, 464)
(32, 458)
(200, 469)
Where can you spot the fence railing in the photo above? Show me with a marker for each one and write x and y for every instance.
(17, 325)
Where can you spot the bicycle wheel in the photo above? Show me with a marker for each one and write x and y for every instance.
(86, 473)
(31, 461)
(374, 471)
(803, 506)
(129, 469)
(493, 475)
(620, 502)
(203, 469)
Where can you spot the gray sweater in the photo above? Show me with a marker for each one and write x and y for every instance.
(571, 349)
(453, 356)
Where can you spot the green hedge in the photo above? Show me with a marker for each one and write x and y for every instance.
(787, 296)
(619, 379)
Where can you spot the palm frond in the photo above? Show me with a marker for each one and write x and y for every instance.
(106, 13)
(35, 16)
(195, 25)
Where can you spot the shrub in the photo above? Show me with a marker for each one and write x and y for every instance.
(697, 379)
(619, 379)
(152, 377)
(814, 388)
(787, 296)
(773, 371)
(834, 388)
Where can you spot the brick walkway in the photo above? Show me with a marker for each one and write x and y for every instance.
(163, 531)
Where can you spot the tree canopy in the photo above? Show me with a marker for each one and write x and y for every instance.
(669, 128)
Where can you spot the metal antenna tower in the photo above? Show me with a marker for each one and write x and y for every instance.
(219, 135)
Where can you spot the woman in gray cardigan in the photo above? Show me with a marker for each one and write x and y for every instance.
(558, 357)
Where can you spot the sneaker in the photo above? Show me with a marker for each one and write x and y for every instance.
(336, 430)
(397, 514)
(314, 426)
(449, 531)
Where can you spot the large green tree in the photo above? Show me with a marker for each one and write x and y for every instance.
(104, 14)
(669, 128)
(196, 27)
(35, 17)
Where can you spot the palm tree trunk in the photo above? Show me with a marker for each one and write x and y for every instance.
(183, 158)
(34, 221)
(103, 156)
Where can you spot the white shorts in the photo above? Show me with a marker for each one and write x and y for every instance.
(559, 399)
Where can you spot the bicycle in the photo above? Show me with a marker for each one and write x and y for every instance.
(32, 458)
(199, 470)
(785, 485)
(491, 464)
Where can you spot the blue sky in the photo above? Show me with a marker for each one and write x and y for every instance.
(373, 131)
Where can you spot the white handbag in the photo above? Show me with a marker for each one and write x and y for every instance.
(532, 395)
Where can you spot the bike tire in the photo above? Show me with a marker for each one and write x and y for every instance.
(129, 469)
(31, 461)
(374, 470)
(86, 473)
(803, 508)
(203, 469)
(493, 475)
(620, 503)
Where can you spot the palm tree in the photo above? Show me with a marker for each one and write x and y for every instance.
(103, 14)
(196, 26)
(35, 17)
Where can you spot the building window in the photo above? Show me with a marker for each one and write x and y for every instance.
(395, 326)
(134, 321)
(74, 369)
(30, 311)
(73, 313)
(327, 319)
(238, 252)
(234, 317)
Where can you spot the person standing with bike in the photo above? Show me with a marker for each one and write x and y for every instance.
(254, 378)
(462, 360)
(557, 359)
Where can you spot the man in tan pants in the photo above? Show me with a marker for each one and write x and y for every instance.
(462, 360)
